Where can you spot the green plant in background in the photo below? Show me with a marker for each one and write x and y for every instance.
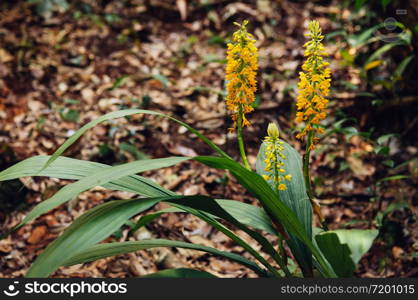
(379, 42)
(46, 7)
(279, 185)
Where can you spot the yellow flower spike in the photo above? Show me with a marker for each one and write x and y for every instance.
(314, 84)
(274, 157)
(241, 68)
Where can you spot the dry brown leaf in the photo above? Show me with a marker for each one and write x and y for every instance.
(182, 6)
(360, 169)
(37, 234)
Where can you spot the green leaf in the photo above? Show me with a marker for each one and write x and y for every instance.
(204, 206)
(382, 150)
(110, 249)
(248, 214)
(295, 197)
(119, 82)
(379, 52)
(87, 230)
(145, 220)
(337, 254)
(132, 149)
(256, 185)
(359, 3)
(363, 38)
(244, 213)
(71, 101)
(385, 3)
(161, 78)
(101, 221)
(395, 177)
(74, 169)
(384, 138)
(389, 163)
(180, 273)
(401, 67)
(359, 241)
(344, 248)
(96, 179)
(70, 115)
(124, 113)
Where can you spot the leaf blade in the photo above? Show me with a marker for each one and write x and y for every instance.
(124, 113)
(90, 228)
(74, 169)
(180, 273)
(344, 248)
(295, 197)
(97, 179)
(110, 249)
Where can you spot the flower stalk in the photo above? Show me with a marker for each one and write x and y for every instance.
(311, 103)
(241, 145)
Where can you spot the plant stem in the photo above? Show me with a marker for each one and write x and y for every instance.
(307, 178)
(283, 258)
(241, 140)
(306, 172)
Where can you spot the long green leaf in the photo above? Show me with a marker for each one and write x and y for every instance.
(96, 179)
(180, 273)
(244, 213)
(256, 185)
(248, 214)
(382, 50)
(69, 168)
(402, 66)
(101, 221)
(145, 220)
(210, 206)
(110, 249)
(124, 113)
(337, 253)
(87, 230)
(206, 206)
(74, 169)
(344, 248)
(358, 240)
(77, 169)
(295, 197)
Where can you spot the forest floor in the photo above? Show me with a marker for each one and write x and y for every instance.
(58, 73)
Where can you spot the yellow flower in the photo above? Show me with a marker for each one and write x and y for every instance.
(241, 74)
(314, 84)
(282, 187)
(274, 158)
(288, 177)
